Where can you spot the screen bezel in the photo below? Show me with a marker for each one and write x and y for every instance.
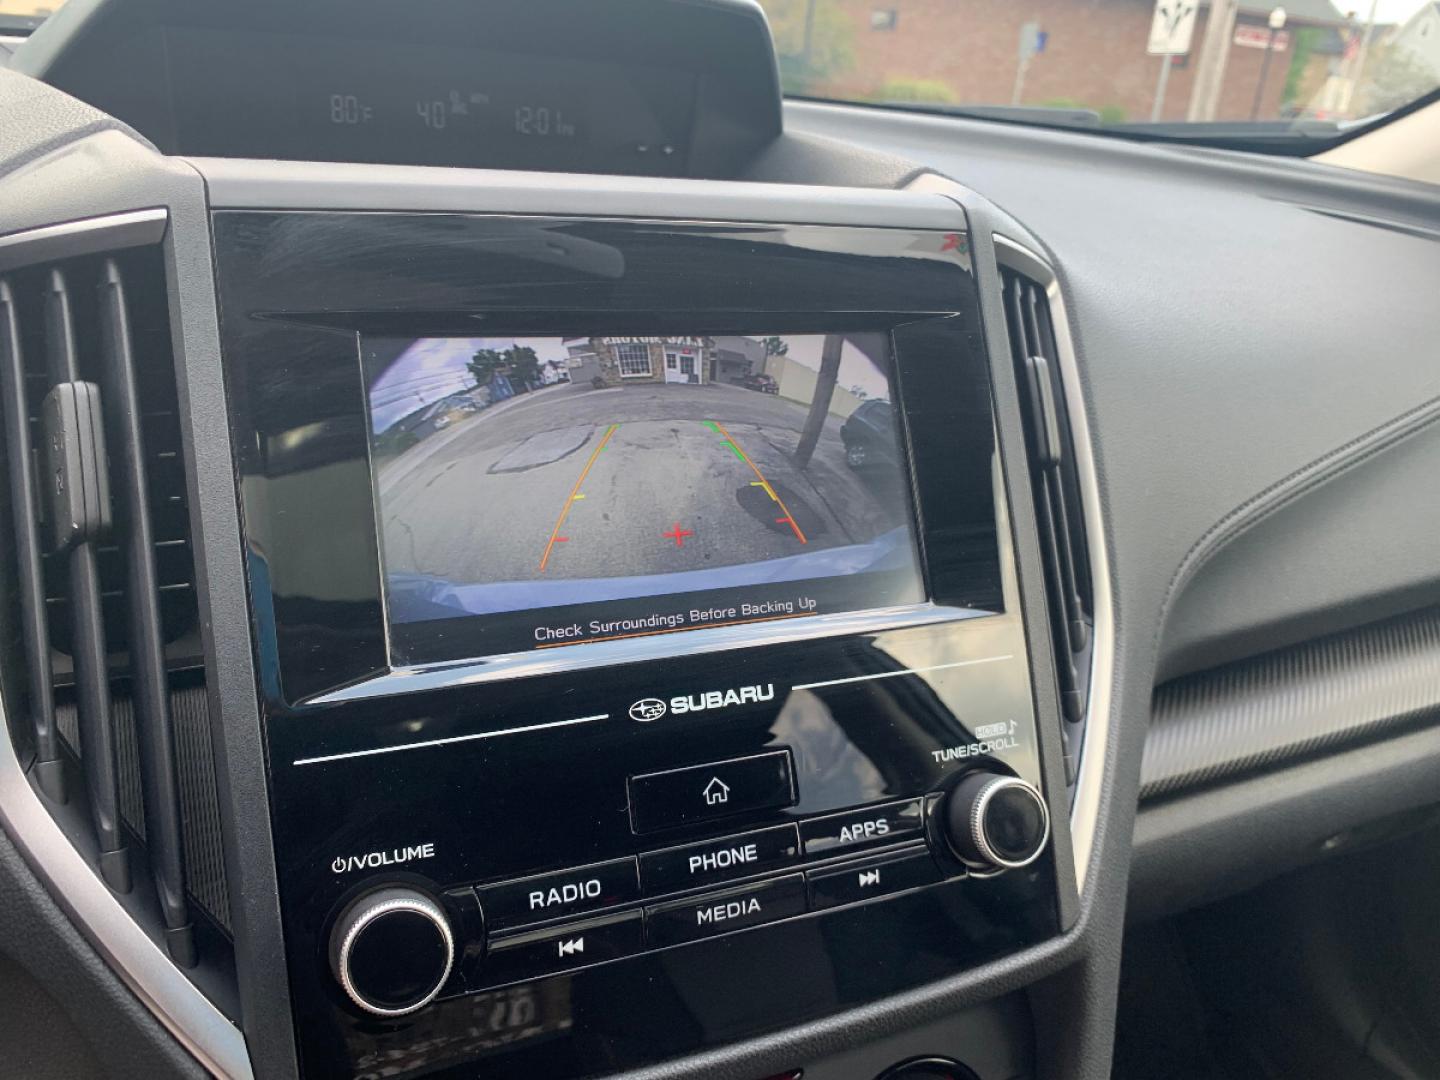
(297, 288)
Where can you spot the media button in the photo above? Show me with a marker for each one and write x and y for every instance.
(870, 826)
(559, 894)
(874, 877)
(536, 953)
(719, 860)
(719, 913)
(664, 800)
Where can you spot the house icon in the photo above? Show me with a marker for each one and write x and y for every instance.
(716, 792)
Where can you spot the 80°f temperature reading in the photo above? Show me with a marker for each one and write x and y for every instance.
(349, 110)
(542, 120)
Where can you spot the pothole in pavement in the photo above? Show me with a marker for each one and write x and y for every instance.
(756, 501)
(542, 448)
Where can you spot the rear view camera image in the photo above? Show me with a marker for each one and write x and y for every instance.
(609, 487)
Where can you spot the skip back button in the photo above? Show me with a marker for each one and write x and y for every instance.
(517, 957)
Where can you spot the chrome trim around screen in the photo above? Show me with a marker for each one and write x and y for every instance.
(596, 654)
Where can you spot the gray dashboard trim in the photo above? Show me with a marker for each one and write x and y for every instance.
(1287, 704)
(246, 184)
(87, 236)
(174, 1000)
(1085, 808)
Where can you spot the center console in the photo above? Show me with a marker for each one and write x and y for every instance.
(642, 654)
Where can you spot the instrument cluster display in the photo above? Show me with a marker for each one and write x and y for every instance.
(339, 99)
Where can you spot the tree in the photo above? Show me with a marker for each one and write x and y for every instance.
(518, 362)
(1395, 76)
(812, 41)
(524, 366)
(484, 364)
(820, 404)
(775, 346)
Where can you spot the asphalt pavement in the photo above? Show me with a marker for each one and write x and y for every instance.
(581, 483)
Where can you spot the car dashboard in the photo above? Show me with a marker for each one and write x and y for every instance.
(536, 557)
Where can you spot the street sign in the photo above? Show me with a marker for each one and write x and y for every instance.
(1030, 40)
(1172, 27)
(1259, 37)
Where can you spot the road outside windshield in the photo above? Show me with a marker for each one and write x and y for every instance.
(1115, 61)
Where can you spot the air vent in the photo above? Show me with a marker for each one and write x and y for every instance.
(1056, 489)
(111, 716)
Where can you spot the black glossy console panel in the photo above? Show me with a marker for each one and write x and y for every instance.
(487, 770)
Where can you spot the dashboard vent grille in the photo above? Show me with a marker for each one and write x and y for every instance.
(1057, 496)
(104, 572)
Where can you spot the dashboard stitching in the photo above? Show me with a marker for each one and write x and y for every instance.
(1286, 490)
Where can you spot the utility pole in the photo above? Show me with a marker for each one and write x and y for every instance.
(809, 32)
(1276, 23)
(1029, 46)
(1214, 55)
(1160, 84)
(1364, 53)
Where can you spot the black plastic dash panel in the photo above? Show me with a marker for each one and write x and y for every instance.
(466, 777)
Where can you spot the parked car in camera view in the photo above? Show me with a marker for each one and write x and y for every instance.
(869, 436)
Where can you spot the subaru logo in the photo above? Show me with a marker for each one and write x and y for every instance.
(647, 709)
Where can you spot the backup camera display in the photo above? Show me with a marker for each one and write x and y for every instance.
(581, 489)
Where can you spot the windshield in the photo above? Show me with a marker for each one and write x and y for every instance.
(1251, 67)
(1188, 69)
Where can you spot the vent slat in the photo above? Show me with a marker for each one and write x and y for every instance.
(35, 623)
(1056, 497)
(87, 626)
(114, 697)
(155, 742)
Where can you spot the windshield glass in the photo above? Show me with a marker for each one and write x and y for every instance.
(1253, 66)
(1192, 69)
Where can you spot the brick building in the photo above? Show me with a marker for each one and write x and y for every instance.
(1094, 54)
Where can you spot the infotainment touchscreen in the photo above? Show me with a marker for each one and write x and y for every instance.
(554, 491)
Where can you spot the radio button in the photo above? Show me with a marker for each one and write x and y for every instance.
(559, 894)
(719, 860)
(874, 877)
(664, 800)
(719, 913)
(555, 949)
(870, 826)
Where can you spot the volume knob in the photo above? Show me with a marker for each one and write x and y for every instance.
(391, 951)
(996, 822)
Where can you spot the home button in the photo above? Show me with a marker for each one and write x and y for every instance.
(716, 789)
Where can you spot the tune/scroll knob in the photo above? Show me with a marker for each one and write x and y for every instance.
(996, 822)
(391, 951)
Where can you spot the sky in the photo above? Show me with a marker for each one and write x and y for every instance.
(434, 367)
(1388, 11)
